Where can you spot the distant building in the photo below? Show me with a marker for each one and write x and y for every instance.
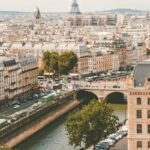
(93, 20)
(95, 61)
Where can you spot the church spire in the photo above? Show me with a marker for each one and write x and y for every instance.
(37, 14)
(147, 16)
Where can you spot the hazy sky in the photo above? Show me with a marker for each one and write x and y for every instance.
(64, 5)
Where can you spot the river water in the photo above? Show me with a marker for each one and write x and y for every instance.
(53, 137)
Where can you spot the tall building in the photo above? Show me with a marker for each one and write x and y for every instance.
(139, 109)
(75, 8)
(18, 78)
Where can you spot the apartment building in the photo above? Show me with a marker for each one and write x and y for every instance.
(103, 63)
(27, 77)
(95, 61)
(139, 109)
(17, 78)
(93, 20)
(1, 82)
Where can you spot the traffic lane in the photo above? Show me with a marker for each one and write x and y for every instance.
(12, 110)
(121, 145)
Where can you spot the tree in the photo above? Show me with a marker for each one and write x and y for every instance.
(54, 64)
(91, 124)
(59, 64)
(46, 61)
(67, 62)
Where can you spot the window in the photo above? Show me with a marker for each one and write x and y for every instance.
(139, 113)
(148, 101)
(139, 128)
(148, 114)
(138, 101)
(148, 128)
(139, 144)
(148, 144)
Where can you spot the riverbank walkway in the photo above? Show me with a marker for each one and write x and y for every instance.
(13, 140)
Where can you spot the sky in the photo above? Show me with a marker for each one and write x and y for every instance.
(65, 5)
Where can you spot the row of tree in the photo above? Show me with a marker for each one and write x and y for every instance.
(91, 124)
(59, 63)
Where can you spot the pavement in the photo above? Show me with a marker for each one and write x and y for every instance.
(120, 145)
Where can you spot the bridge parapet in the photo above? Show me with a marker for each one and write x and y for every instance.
(101, 85)
(102, 89)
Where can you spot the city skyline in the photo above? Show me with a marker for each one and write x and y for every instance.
(65, 5)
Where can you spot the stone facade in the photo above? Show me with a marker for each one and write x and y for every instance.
(17, 77)
(139, 109)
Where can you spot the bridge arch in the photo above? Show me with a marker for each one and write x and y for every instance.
(116, 97)
(86, 95)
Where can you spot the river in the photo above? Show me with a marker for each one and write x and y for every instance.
(53, 137)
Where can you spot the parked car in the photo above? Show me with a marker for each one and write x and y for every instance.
(110, 142)
(123, 133)
(102, 146)
(16, 106)
(35, 96)
(114, 136)
(124, 128)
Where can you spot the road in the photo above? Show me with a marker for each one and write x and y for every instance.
(121, 145)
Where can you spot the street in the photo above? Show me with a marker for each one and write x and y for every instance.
(121, 145)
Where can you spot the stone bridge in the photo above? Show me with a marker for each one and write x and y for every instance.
(102, 88)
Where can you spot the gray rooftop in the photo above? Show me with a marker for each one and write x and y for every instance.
(141, 72)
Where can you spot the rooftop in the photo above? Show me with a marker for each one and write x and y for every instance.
(141, 72)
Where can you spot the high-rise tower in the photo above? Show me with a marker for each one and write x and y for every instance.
(75, 8)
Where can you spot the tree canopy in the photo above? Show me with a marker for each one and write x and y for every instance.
(46, 61)
(59, 64)
(54, 60)
(67, 62)
(91, 124)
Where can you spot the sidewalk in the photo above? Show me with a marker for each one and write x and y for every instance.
(120, 145)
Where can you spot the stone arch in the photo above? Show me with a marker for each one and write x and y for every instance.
(86, 95)
(116, 97)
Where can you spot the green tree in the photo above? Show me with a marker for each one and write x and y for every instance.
(59, 64)
(54, 64)
(91, 124)
(46, 61)
(67, 62)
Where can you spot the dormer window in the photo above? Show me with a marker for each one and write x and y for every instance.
(148, 79)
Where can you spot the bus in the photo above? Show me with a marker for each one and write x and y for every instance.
(49, 97)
